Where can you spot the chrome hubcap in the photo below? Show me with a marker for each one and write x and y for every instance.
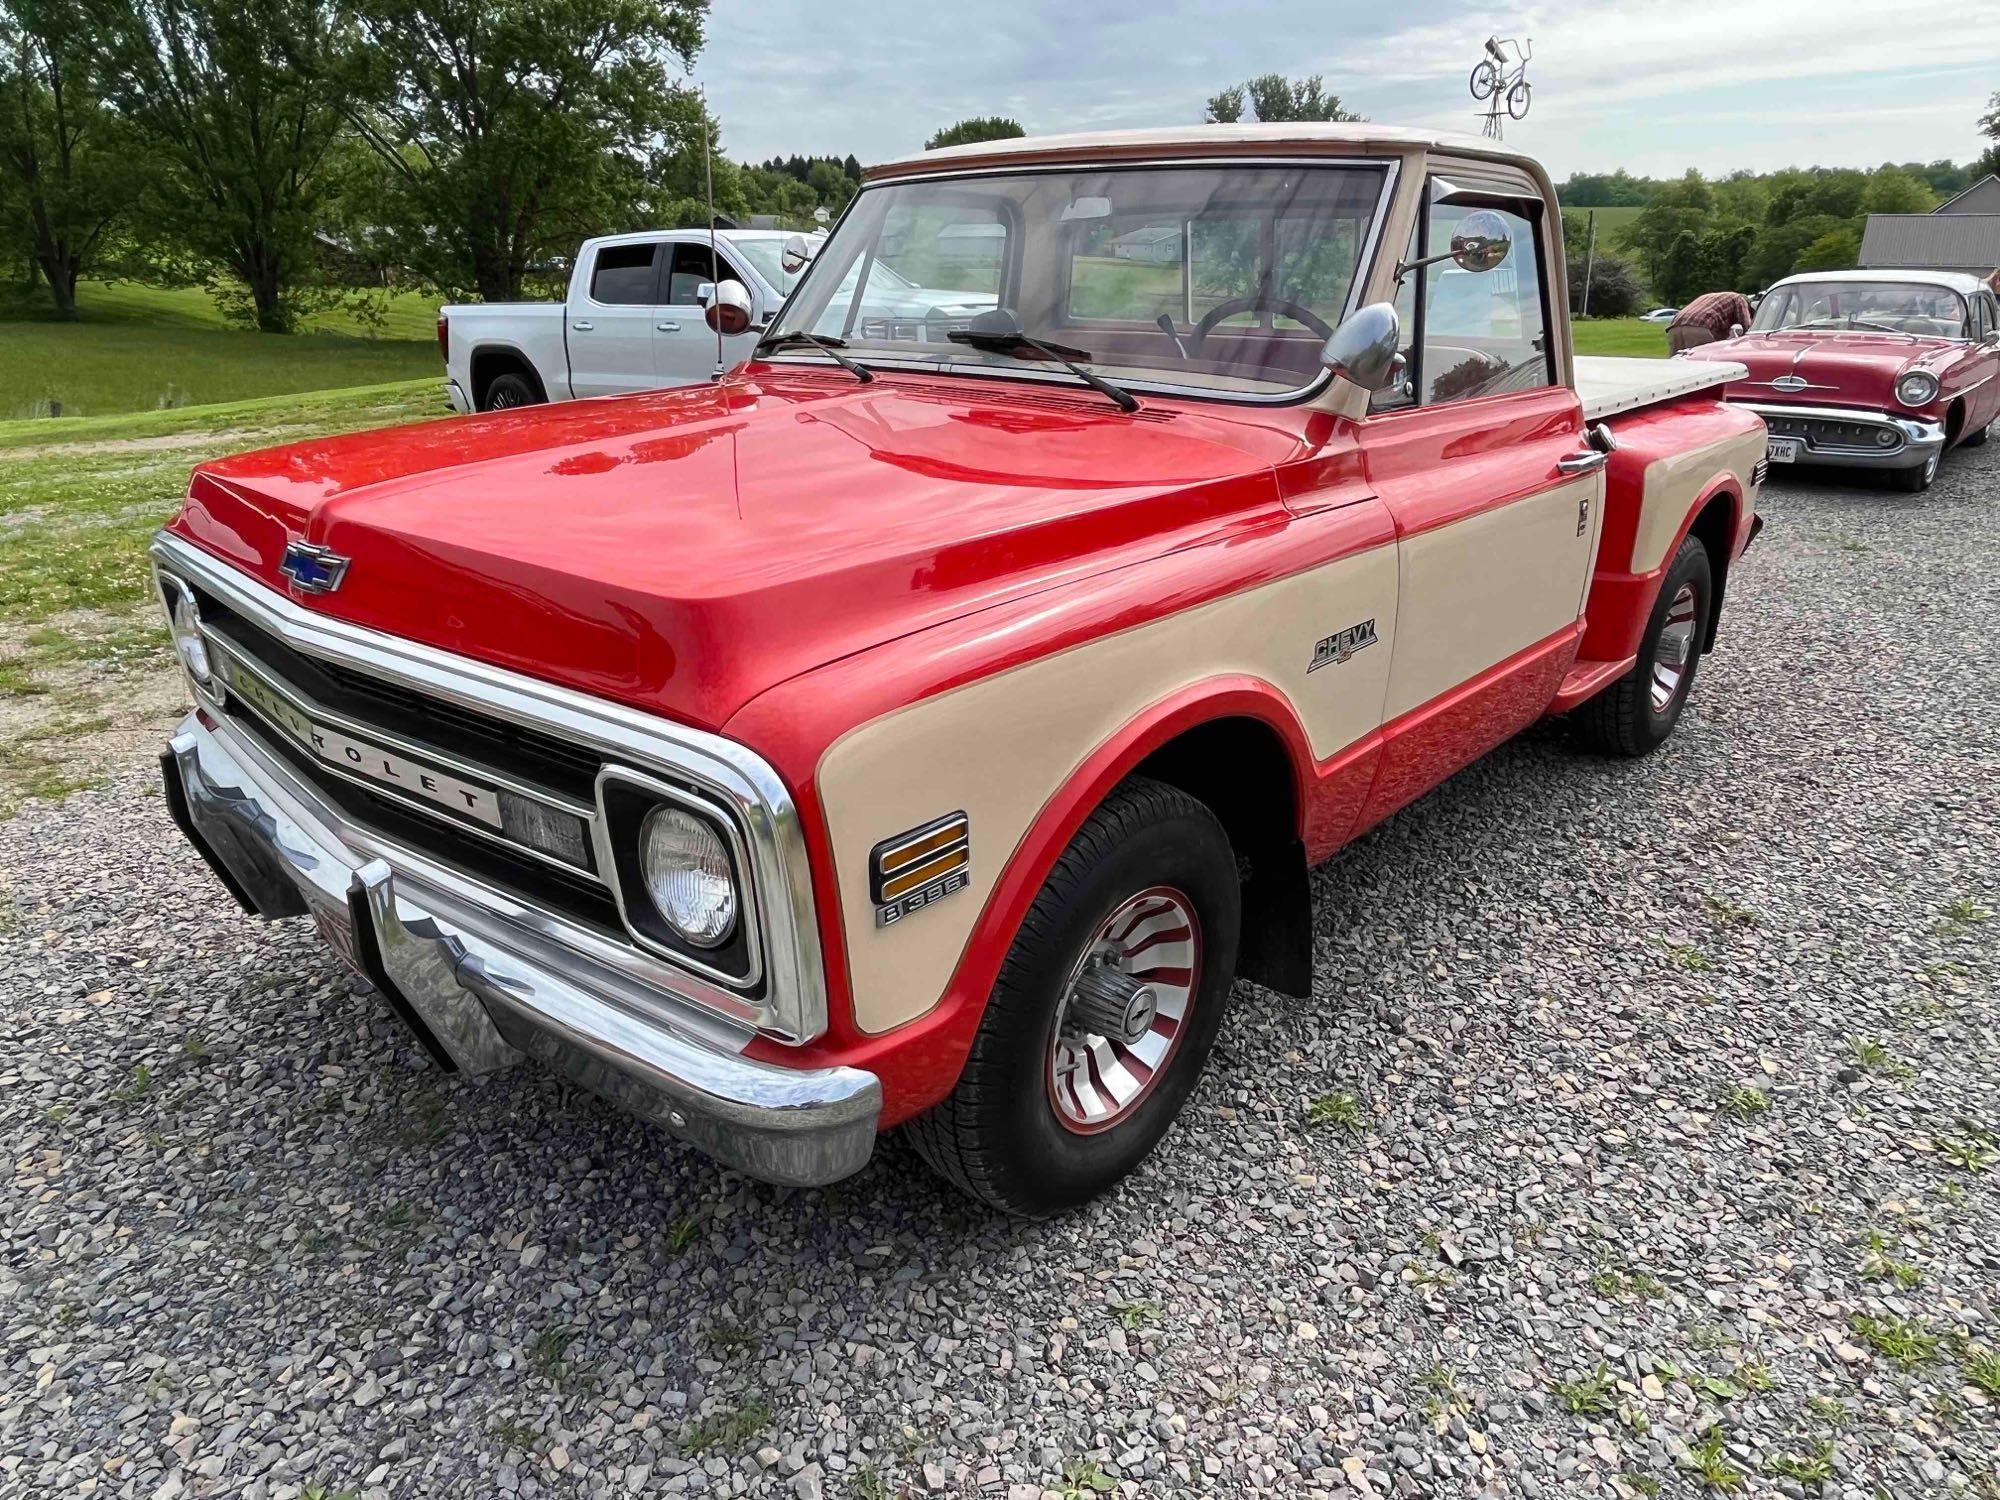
(1123, 1009)
(1673, 655)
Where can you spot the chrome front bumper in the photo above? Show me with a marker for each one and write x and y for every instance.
(1915, 440)
(480, 990)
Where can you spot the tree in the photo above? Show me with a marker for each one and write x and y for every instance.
(71, 164)
(243, 100)
(1272, 97)
(978, 128)
(1615, 288)
(509, 128)
(1836, 250)
(1677, 278)
(1676, 209)
(1891, 190)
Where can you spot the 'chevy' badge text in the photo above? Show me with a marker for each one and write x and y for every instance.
(1335, 649)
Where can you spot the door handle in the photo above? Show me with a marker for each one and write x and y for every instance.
(1588, 462)
(583, 325)
(667, 327)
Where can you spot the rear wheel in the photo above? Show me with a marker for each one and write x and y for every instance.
(1485, 81)
(1636, 713)
(504, 392)
(1917, 478)
(1103, 1013)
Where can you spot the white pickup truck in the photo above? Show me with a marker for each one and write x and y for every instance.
(632, 321)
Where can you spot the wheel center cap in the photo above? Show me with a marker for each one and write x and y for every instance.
(1109, 1003)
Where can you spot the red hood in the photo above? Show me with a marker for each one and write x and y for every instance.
(684, 550)
(1840, 369)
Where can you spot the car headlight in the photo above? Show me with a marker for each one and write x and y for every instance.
(184, 619)
(1918, 388)
(689, 875)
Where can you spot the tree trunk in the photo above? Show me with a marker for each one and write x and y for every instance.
(495, 278)
(267, 291)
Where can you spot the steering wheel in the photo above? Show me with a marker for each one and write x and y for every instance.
(1235, 305)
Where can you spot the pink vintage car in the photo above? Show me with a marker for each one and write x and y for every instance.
(1870, 369)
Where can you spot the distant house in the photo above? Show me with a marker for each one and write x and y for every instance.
(1983, 197)
(1157, 245)
(1968, 242)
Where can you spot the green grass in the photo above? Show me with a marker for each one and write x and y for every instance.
(140, 348)
(1626, 336)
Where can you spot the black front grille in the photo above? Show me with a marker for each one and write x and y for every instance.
(457, 734)
(1829, 432)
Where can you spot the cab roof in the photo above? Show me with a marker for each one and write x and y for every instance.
(1957, 281)
(1301, 137)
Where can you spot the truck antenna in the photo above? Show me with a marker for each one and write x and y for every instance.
(714, 256)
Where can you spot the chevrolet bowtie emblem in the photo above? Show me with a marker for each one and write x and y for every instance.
(313, 568)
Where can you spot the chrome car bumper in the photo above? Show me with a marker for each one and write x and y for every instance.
(455, 394)
(1850, 436)
(480, 991)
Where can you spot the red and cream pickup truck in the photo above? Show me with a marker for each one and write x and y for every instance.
(927, 723)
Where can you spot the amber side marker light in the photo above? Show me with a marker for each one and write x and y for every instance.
(918, 867)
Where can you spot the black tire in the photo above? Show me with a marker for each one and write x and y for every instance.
(1917, 478)
(505, 392)
(998, 1137)
(1622, 720)
(1978, 439)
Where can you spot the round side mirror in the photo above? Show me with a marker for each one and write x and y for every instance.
(795, 254)
(1481, 241)
(728, 311)
(1367, 347)
(1736, 330)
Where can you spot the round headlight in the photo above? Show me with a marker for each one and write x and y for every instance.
(688, 874)
(1918, 388)
(185, 620)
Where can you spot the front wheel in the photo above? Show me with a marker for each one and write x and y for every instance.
(1917, 478)
(1519, 97)
(1637, 712)
(1104, 1011)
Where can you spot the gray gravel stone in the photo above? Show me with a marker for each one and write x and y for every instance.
(1672, 1080)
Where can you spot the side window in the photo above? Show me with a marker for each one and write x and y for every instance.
(694, 263)
(623, 275)
(1484, 332)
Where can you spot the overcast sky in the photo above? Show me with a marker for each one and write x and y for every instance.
(1644, 84)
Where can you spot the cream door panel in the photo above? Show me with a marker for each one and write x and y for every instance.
(998, 749)
(1478, 590)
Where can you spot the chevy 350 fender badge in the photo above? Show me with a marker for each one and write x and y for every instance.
(1335, 649)
(910, 871)
(313, 568)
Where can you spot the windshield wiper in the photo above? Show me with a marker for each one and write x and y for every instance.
(999, 332)
(826, 343)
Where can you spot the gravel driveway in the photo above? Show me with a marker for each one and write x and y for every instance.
(1641, 1139)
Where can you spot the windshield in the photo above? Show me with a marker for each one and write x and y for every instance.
(768, 256)
(1219, 278)
(1864, 306)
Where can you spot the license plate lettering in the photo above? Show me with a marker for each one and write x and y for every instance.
(1782, 450)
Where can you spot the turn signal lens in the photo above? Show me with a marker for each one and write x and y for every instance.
(185, 620)
(688, 875)
(1918, 388)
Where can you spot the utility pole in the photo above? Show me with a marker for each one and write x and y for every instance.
(1589, 260)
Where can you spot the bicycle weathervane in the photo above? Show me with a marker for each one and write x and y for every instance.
(1500, 81)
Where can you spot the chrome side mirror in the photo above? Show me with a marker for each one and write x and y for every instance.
(1736, 330)
(1481, 241)
(795, 254)
(1367, 347)
(727, 310)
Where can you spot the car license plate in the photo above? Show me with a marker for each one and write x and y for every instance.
(1783, 450)
(339, 935)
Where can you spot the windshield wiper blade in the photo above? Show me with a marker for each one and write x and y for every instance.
(826, 343)
(1018, 345)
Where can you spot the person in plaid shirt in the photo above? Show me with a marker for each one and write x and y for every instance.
(1706, 319)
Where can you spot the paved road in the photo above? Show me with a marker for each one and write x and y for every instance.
(1656, 1123)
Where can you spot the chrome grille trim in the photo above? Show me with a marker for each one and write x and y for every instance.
(234, 704)
(791, 1002)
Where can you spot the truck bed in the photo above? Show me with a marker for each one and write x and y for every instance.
(1610, 384)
